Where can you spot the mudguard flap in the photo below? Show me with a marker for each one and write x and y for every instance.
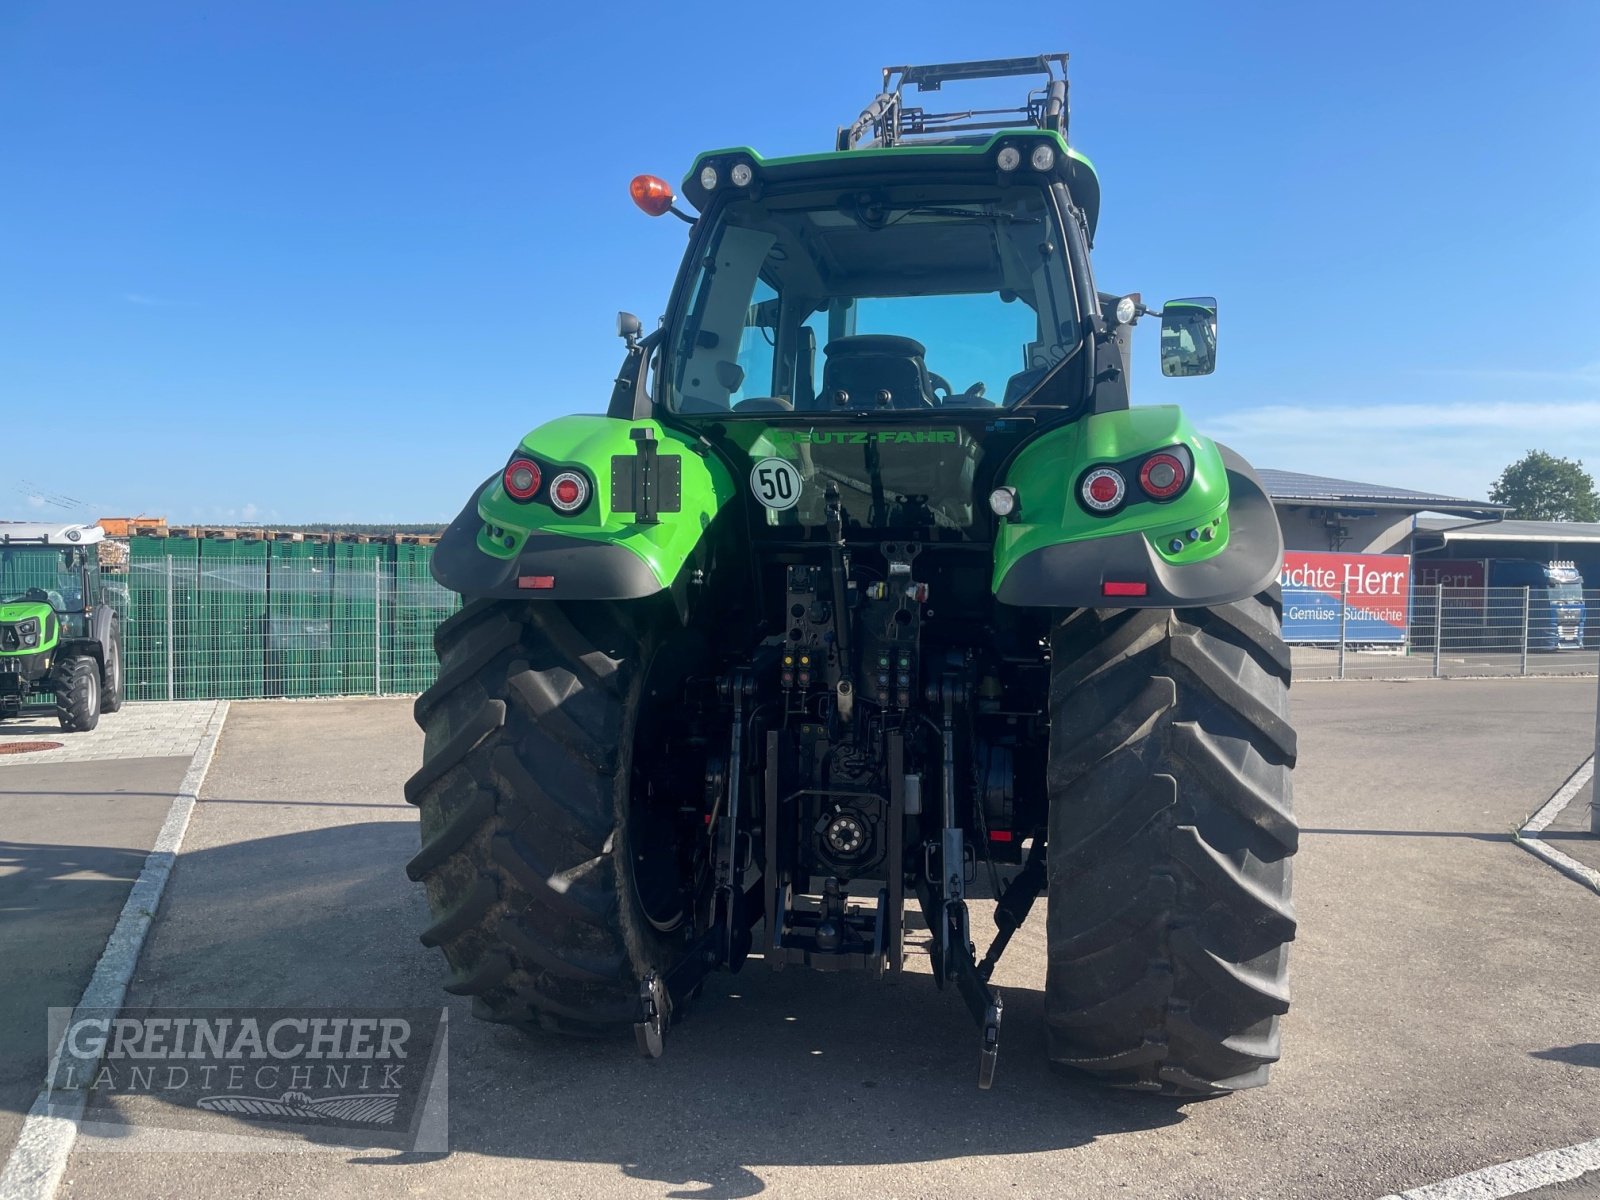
(548, 565)
(1073, 574)
(607, 549)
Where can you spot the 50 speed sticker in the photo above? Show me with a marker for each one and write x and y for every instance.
(775, 482)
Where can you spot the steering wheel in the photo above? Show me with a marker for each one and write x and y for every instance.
(972, 395)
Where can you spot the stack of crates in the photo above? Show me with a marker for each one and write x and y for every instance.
(224, 653)
(417, 607)
(359, 566)
(251, 616)
(146, 652)
(299, 633)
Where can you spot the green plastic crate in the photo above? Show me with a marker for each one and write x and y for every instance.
(147, 655)
(226, 652)
(299, 629)
(359, 583)
(417, 608)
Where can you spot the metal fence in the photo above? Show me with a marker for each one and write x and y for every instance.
(1462, 632)
(258, 626)
(236, 622)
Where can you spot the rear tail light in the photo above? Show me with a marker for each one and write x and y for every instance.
(569, 491)
(1162, 476)
(1103, 490)
(521, 479)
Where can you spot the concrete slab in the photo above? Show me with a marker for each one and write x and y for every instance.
(73, 838)
(145, 730)
(1444, 983)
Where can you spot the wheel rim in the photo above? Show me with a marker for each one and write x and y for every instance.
(668, 858)
(93, 705)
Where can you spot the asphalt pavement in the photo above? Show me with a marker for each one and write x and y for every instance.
(73, 838)
(1444, 997)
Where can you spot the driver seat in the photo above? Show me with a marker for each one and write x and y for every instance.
(865, 364)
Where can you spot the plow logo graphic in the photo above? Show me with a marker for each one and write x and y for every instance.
(378, 1109)
(1367, 594)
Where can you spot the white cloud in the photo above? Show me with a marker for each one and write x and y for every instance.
(36, 501)
(248, 512)
(1458, 449)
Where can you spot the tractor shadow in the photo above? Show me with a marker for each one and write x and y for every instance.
(766, 1068)
(800, 1069)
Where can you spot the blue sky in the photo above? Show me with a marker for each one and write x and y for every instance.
(301, 261)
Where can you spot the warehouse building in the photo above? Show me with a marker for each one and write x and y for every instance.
(1577, 542)
(1319, 513)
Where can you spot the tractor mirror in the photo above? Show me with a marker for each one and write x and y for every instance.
(1189, 336)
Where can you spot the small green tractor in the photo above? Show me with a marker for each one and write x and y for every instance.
(60, 628)
(870, 586)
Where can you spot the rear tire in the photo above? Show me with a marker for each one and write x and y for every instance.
(524, 794)
(1170, 842)
(77, 687)
(111, 694)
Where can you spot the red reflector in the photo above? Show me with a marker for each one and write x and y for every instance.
(566, 491)
(536, 582)
(1000, 835)
(1113, 587)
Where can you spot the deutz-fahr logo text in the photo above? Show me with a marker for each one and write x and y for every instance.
(860, 437)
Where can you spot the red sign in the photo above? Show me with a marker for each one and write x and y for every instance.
(1450, 572)
(1374, 590)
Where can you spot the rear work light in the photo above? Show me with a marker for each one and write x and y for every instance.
(1103, 490)
(1162, 476)
(569, 491)
(521, 479)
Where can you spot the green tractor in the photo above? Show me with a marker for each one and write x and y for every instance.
(60, 628)
(871, 585)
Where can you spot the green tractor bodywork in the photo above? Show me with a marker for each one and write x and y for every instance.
(870, 579)
(605, 551)
(60, 629)
(1052, 552)
(602, 550)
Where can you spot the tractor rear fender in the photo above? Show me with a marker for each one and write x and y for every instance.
(651, 494)
(1214, 542)
(101, 624)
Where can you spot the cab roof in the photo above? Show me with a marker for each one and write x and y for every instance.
(20, 533)
(959, 159)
